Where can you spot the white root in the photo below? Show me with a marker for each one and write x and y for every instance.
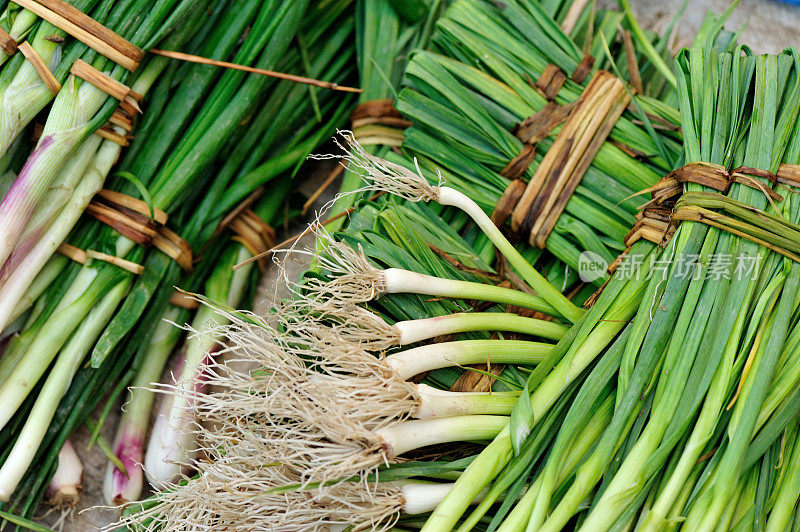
(381, 175)
(222, 497)
(354, 279)
(307, 381)
(340, 324)
(299, 407)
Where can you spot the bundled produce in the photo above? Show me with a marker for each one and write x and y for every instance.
(321, 330)
(196, 168)
(448, 362)
(88, 102)
(535, 109)
(317, 390)
(387, 32)
(696, 339)
(669, 400)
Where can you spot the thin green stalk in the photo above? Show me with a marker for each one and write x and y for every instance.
(452, 197)
(495, 456)
(17, 463)
(124, 487)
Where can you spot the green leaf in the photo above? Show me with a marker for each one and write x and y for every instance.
(522, 420)
(25, 523)
(135, 181)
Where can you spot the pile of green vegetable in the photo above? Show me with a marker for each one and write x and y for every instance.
(436, 368)
(209, 138)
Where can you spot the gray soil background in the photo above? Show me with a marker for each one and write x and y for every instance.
(771, 26)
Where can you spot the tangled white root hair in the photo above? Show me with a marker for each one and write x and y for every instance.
(224, 497)
(381, 175)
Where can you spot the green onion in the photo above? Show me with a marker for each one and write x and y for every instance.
(121, 488)
(382, 175)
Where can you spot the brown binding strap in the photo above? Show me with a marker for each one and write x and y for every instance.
(7, 43)
(507, 202)
(656, 220)
(129, 100)
(563, 166)
(378, 112)
(537, 126)
(550, 82)
(134, 204)
(788, 174)
(35, 59)
(745, 175)
(530, 131)
(121, 120)
(87, 30)
(377, 122)
(707, 174)
(80, 256)
(712, 176)
(653, 223)
(260, 71)
(480, 380)
(184, 300)
(126, 221)
(131, 218)
(583, 69)
(633, 64)
(251, 231)
(108, 133)
(517, 166)
(254, 234)
(175, 247)
(239, 209)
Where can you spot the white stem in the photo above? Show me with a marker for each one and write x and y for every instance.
(24, 275)
(62, 189)
(398, 281)
(64, 488)
(132, 429)
(26, 95)
(435, 403)
(418, 360)
(12, 354)
(40, 350)
(172, 444)
(23, 22)
(54, 388)
(452, 197)
(46, 276)
(412, 331)
(160, 459)
(66, 127)
(83, 280)
(424, 497)
(409, 435)
(88, 182)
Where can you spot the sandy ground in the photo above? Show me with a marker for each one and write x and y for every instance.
(770, 27)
